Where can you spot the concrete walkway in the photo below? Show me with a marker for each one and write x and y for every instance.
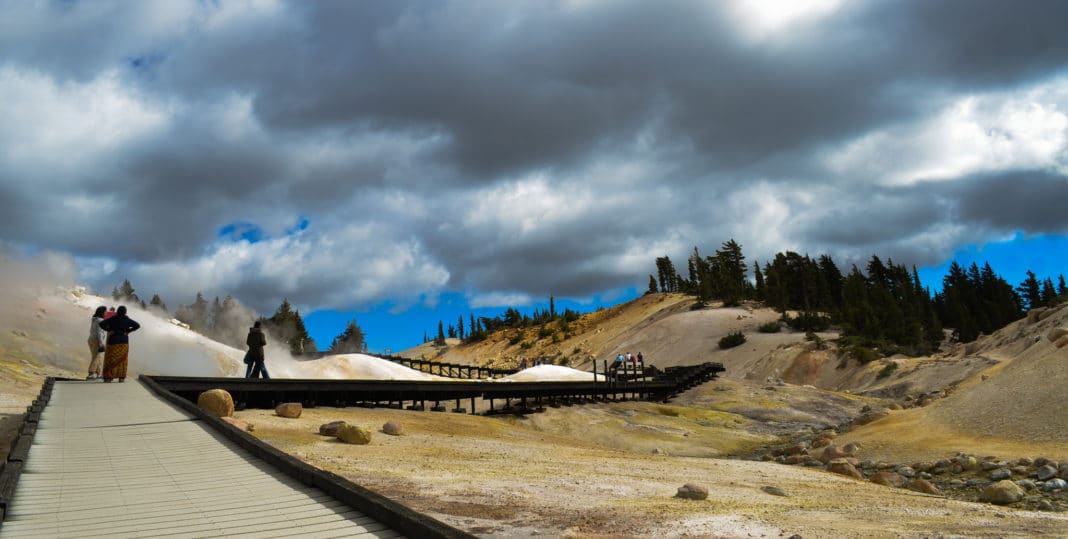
(113, 460)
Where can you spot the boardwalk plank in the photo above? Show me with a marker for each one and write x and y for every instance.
(113, 460)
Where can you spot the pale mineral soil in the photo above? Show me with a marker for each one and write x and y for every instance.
(553, 476)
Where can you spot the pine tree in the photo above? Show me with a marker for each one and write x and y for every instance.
(652, 285)
(288, 325)
(158, 303)
(1030, 290)
(440, 340)
(759, 278)
(460, 327)
(350, 341)
(1049, 293)
(1062, 289)
(195, 314)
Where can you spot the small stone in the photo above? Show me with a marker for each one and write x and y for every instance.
(216, 401)
(353, 434)
(906, 471)
(956, 483)
(692, 491)
(924, 486)
(774, 491)
(1043, 461)
(237, 423)
(291, 410)
(392, 428)
(1000, 473)
(1020, 470)
(969, 463)
(1046, 472)
(1056, 484)
(843, 467)
(330, 429)
(1002, 493)
(1045, 505)
(888, 479)
(1026, 484)
(956, 469)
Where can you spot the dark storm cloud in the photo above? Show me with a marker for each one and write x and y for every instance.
(386, 123)
(1031, 200)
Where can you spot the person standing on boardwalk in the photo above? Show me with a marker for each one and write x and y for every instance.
(256, 341)
(116, 355)
(97, 337)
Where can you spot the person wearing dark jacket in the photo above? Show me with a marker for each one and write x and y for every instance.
(256, 341)
(116, 354)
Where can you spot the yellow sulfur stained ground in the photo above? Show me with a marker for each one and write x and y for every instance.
(510, 477)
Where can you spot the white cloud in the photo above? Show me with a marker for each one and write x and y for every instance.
(976, 133)
(499, 299)
(42, 119)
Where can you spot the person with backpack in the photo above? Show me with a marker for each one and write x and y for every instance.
(254, 358)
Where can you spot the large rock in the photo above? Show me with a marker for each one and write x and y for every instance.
(1003, 492)
(291, 410)
(843, 467)
(216, 401)
(353, 434)
(692, 491)
(330, 429)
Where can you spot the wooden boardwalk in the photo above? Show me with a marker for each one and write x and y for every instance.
(114, 460)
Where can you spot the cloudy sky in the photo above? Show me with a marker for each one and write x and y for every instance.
(400, 162)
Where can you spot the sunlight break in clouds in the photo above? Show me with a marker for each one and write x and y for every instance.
(764, 19)
(974, 134)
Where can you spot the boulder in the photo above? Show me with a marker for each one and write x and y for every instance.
(924, 486)
(692, 491)
(291, 410)
(238, 423)
(843, 467)
(392, 428)
(217, 402)
(352, 434)
(888, 479)
(330, 429)
(1001, 493)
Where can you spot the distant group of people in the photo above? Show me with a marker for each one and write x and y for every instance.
(109, 334)
(533, 363)
(624, 358)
